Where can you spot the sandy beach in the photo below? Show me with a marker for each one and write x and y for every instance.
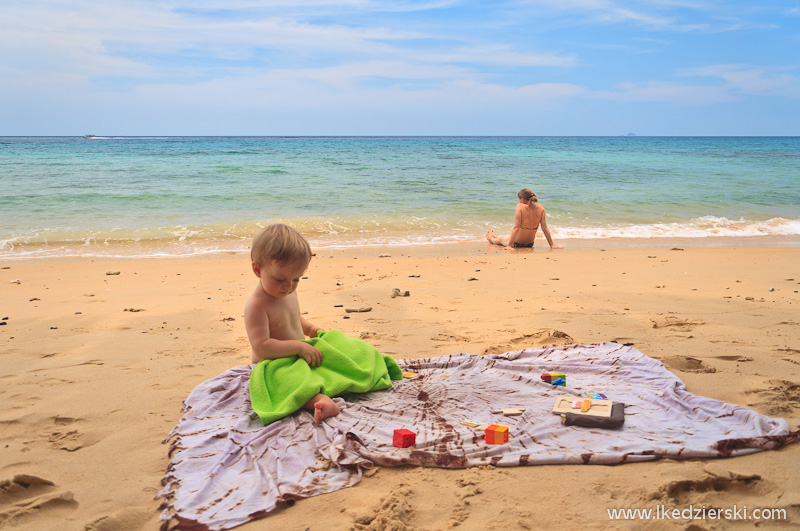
(98, 356)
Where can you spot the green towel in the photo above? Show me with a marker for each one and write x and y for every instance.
(280, 387)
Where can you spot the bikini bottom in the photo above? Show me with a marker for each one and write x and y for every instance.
(523, 245)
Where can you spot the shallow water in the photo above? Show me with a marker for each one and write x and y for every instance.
(172, 196)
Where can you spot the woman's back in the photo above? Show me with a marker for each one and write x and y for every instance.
(528, 217)
(531, 216)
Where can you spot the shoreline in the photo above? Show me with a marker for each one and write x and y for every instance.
(476, 247)
(97, 365)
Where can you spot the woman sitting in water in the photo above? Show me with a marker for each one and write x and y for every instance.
(529, 217)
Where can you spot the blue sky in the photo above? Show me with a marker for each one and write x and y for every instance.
(402, 67)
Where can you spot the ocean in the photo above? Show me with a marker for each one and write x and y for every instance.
(179, 196)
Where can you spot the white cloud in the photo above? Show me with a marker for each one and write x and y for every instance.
(604, 11)
(344, 86)
(765, 81)
(364, 6)
(665, 92)
(730, 82)
(396, 56)
(497, 54)
(144, 39)
(89, 48)
(682, 16)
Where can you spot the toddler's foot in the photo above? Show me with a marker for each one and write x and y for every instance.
(491, 236)
(325, 407)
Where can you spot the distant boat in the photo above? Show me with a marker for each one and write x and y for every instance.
(88, 136)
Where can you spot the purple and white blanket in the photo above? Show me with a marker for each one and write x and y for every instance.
(227, 469)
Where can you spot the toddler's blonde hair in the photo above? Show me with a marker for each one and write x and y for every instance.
(279, 243)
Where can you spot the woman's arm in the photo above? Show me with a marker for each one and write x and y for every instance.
(517, 224)
(546, 231)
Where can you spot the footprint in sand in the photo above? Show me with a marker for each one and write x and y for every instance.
(687, 364)
(685, 492)
(63, 421)
(469, 487)
(70, 439)
(734, 358)
(449, 337)
(394, 512)
(539, 338)
(51, 382)
(677, 323)
(30, 501)
(226, 351)
(128, 518)
(779, 397)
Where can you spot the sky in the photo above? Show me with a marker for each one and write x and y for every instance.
(400, 67)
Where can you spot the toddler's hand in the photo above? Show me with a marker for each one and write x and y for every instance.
(311, 355)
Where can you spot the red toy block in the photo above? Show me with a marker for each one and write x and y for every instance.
(404, 438)
(496, 434)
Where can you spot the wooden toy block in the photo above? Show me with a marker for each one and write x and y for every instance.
(475, 424)
(495, 434)
(511, 411)
(404, 438)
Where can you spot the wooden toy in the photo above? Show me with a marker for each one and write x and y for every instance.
(404, 438)
(475, 424)
(495, 434)
(615, 420)
(596, 408)
(555, 378)
(597, 396)
(510, 412)
(583, 405)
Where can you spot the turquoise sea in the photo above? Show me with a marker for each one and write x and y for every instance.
(175, 196)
